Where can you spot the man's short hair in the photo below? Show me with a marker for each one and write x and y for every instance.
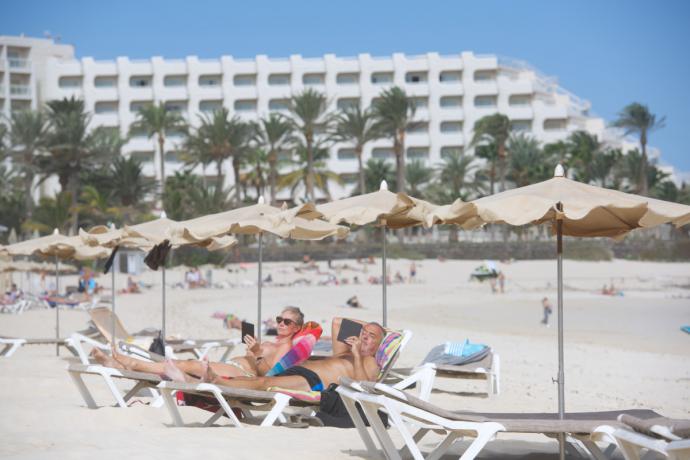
(383, 329)
(296, 311)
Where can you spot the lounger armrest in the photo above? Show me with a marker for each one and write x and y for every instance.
(424, 376)
(77, 341)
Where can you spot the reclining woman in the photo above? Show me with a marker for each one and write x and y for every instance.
(260, 357)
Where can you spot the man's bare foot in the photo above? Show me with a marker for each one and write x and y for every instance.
(174, 373)
(105, 360)
(121, 359)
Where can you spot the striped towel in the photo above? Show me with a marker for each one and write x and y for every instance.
(303, 344)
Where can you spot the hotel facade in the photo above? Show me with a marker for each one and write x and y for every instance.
(451, 92)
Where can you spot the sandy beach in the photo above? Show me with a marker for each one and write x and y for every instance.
(621, 352)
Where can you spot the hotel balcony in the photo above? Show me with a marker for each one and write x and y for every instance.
(19, 64)
(20, 91)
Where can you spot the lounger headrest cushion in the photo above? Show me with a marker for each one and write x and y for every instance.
(387, 350)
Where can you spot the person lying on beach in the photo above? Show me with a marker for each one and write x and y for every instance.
(354, 359)
(260, 357)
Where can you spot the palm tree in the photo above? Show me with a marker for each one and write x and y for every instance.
(375, 171)
(320, 176)
(129, 185)
(489, 153)
(528, 164)
(273, 134)
(29, 132)
(457, 178)
(309, 112)
(217, 139)
(636, 118)
(583, 149)
(256, 159)
(418, 175)
(358, 127)
(157, 120)
(394, 113)
(73, 149)
(494, 128)
(51, 213)
(603, 166)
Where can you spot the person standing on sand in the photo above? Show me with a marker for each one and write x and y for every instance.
(547, 310)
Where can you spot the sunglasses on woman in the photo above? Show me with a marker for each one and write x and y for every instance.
(286, 321)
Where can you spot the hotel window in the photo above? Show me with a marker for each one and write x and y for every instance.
(279, 79)
(383, 153)
(278, 104)
(143, 157)
(210, 80)
(135, 106)
(347, 78)
(210, 106)
(418, 153)
(521, 125)
(245, 105)
(555, 124)
(69, 82)
(350, 178)
(420, 127)
(520, 100)
(485, 75)
(105, 82)
(347, 154)
(140, 81)
(450, 76)
(102, 107)
(420, 102)
(347, 103)
(175, 80)
(137, 132)
(176, 106)
(485, 101)
(451, 150)
(451, 102)
(244, 80)
(172, 157)
(415, 77)
(382, 78)
(313, 79)
(451, 127)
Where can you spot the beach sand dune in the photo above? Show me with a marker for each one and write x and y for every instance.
(621, 352)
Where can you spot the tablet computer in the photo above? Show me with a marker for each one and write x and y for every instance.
(348, 328)
(247, 329)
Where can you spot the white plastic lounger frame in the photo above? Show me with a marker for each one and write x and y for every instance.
(143, 381)
(10, 345)
(404, 417)
(633, 444)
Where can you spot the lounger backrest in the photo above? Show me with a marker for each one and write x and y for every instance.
(389, 351)
(103, 318)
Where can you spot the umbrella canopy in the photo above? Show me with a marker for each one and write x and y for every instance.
(588, 210)
(573, 209)
(55, 244)
(300, 223)
(28, 266)
(397, 209)
(391, 210)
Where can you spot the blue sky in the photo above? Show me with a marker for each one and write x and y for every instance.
(609, 52)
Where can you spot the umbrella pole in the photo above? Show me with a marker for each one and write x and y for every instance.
(57, 307)
(385, 278)
(163, 294)
(112, 288)
(561, 373)
(259, 284)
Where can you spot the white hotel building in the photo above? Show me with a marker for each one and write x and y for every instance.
(451, 92)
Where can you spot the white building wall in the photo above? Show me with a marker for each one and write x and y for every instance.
(549, 113)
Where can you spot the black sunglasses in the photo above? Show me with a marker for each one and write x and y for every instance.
(286, 321)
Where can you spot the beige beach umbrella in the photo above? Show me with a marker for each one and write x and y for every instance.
(60, 247)
(385, 208)
(146, 236)
(573, 209)
(299, 223)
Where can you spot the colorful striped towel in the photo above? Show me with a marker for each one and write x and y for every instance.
(303, 344)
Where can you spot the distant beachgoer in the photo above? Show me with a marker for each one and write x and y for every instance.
(355, 280)
(354, 302)
(398, 277)
(501, 281)
(413, 272)
(547, 310)
(492, 283)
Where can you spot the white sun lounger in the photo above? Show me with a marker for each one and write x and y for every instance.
(668, 437)
(407, 412)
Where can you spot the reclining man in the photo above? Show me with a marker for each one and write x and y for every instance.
(354, 359)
